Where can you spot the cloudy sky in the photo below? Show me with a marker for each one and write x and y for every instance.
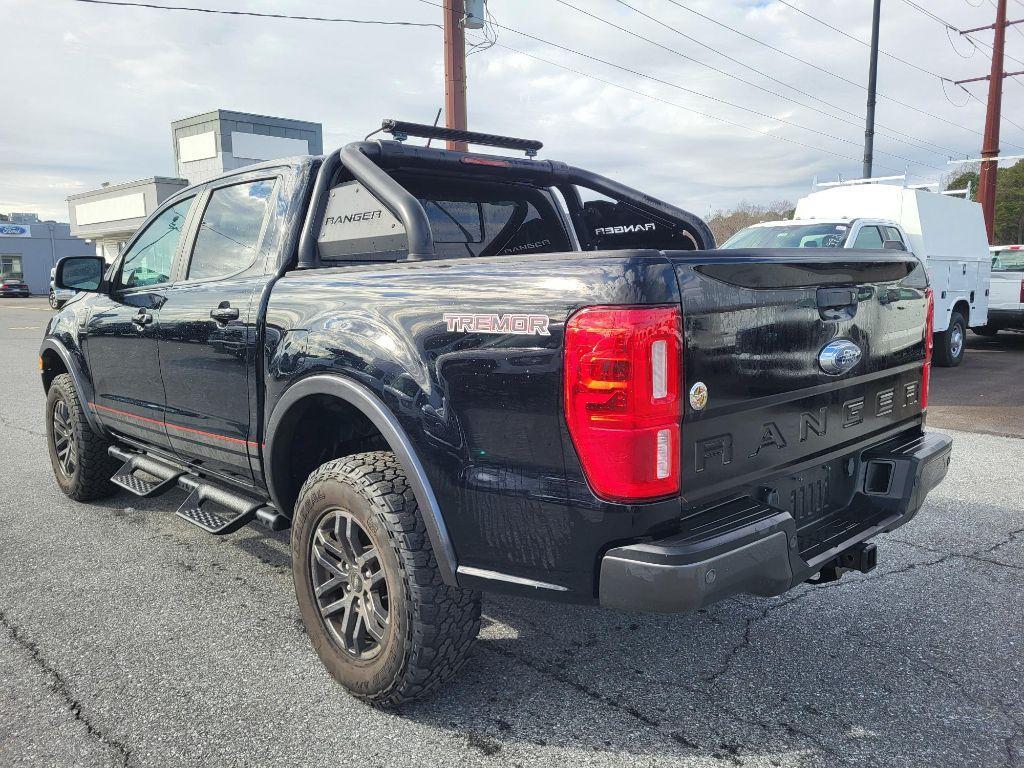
(90, 90)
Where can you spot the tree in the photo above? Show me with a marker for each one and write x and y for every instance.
(725, 224)
(1008, 227)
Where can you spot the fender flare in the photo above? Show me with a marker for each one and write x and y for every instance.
(82, 386)
(384, 420)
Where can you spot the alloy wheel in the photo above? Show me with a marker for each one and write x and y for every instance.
(64, 439)
(349, 584)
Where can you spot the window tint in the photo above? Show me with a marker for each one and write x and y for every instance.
(492, 227)
(868, 237)
(229, 233)
(149, 260)
(891, 233)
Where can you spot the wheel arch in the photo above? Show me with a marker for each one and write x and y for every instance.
(281, 425)
(964, 308)
(55, 359)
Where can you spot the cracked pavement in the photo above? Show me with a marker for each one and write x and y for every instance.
(128, 638)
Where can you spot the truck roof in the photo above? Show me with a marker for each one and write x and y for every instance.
(939, 226)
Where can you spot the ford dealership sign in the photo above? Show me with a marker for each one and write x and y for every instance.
(15, 230)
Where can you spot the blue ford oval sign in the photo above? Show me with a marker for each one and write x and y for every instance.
(839, 357)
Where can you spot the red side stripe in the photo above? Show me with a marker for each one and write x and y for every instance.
(96, 406)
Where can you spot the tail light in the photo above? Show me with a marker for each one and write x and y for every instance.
(623, 373)
(929, 327)
(1022, 291)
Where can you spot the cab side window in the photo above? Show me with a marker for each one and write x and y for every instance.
(893, 235)
(868, 237)
(229, 233)
(149, 260)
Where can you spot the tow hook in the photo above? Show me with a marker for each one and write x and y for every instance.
(861, 557)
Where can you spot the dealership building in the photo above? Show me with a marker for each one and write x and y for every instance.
(104, 219)
(29, 248)
(204, 146)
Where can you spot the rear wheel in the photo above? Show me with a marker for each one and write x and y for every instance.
(79, 457)
(951, 343)
(368, 586)
(53, 301)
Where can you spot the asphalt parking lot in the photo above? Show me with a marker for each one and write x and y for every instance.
(130, 638)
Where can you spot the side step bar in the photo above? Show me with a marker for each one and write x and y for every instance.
(161, 475)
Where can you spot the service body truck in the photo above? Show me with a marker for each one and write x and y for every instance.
(947, 233)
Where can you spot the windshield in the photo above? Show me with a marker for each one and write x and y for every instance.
(1008, 261)
(790, 236)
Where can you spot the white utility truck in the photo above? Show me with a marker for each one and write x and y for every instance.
(1006, 299)
(947, 233)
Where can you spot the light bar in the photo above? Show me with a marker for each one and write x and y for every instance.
(401, 130)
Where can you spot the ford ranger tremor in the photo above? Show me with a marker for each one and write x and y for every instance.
(450, 372)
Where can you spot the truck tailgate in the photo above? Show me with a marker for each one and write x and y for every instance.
(756, 328)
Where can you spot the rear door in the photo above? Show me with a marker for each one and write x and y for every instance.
(207, 335)
(120, 337)
(758, 327)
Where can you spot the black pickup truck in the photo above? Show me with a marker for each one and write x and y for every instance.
(451, 372)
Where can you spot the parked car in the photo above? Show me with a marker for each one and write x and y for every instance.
(1006, 299)
(10, 286)
(947, 233)
(58, 295)
(421, 362)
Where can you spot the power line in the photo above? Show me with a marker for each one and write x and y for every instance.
(154, 6)
(949, 26)
(676, 86)
(897, 58)
(916, 144)
(683, 107)
(829, 72)
(844, 33)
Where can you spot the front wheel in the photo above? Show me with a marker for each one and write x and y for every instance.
(79, 456)
(951, 343)
(368, 585)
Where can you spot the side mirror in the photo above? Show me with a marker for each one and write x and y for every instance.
(893, 245)
(79, 273)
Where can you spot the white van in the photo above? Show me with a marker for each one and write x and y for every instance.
(1006, 295)
(947, 233)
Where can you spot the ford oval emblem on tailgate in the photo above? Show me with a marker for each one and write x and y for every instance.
(839, 357)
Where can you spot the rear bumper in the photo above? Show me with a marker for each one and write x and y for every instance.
(759, 554)
(1006, 318)
(19, 292)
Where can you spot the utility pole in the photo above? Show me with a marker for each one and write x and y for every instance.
(869, 130)
(455, 70)
(990, 148)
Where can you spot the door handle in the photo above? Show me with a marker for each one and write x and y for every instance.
(224, 313)
(142, 319)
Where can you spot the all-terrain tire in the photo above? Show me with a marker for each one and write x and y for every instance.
(951, 344)
(431, 626)
(93, 466)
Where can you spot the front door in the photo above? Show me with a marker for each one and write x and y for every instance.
(208, 330)
(120, 338)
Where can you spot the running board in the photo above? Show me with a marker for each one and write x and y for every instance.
(196, 508)
(166, 476)
(233, 510)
